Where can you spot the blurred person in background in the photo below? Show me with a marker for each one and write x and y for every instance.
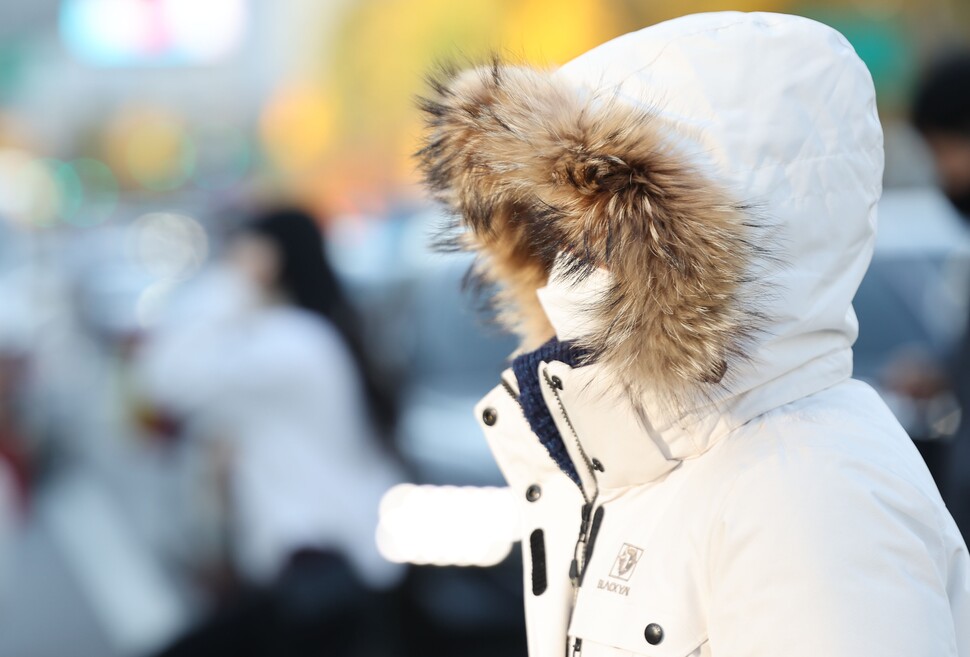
(941, 114)
(10, 519)
(15, 465)
(266, 360)
(13, 462)
(13, 445)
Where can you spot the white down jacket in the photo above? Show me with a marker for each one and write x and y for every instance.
(735, 496)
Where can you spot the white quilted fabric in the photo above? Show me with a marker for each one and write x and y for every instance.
(794, 132)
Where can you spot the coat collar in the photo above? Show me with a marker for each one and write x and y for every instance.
(636, 444)
(637, 440)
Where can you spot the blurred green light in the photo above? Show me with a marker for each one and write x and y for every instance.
(100, 193)
(12, 57)
(70, 188)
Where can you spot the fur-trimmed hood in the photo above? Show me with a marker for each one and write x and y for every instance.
(722, 170)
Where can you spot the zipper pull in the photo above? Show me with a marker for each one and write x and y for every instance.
(580, 544)
(584, 525)
(577, 647)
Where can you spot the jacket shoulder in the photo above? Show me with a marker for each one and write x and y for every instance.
(844, 436)
(831, 508)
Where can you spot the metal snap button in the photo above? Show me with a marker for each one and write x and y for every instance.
(654, 634)
(489, 416)
(533, 492)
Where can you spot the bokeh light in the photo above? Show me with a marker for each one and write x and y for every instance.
(100, 192)
(44, 192)
(152, 148)
(104, 31)
(168, 245)
(204, 31)
(70, 188)
(554, 31)
(29, 190)
(153, 32)
(296, 127)
(377, 114)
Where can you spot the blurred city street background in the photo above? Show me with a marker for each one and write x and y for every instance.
(194, 447)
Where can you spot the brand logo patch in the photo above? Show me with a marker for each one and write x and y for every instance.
(613, 587)
(626, 562)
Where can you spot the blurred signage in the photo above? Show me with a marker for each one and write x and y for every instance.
(153, 32)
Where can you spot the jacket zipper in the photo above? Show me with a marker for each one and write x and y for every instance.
(577, 567)
(578, 564)
(579, 445)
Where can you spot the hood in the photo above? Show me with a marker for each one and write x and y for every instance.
(699, 197)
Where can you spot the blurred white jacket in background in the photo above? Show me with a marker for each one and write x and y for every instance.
(278, 386)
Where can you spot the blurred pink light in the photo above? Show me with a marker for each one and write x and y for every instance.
(153, 32)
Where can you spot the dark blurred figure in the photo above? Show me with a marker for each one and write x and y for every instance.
(292, 266)
(14, 469)
(270, 366)
(941, 113)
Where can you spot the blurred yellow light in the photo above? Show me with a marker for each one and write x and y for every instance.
(381, 50)
(152, 147)
(555, 31)
(699, 6)
(296, 127)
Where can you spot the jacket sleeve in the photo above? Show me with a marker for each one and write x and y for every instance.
(813, 557)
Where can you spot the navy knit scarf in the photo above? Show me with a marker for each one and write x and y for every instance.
(526, 369)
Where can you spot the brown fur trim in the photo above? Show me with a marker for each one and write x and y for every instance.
(533, 168)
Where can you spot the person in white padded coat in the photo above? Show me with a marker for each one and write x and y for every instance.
(257, 358)
(677, 222)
